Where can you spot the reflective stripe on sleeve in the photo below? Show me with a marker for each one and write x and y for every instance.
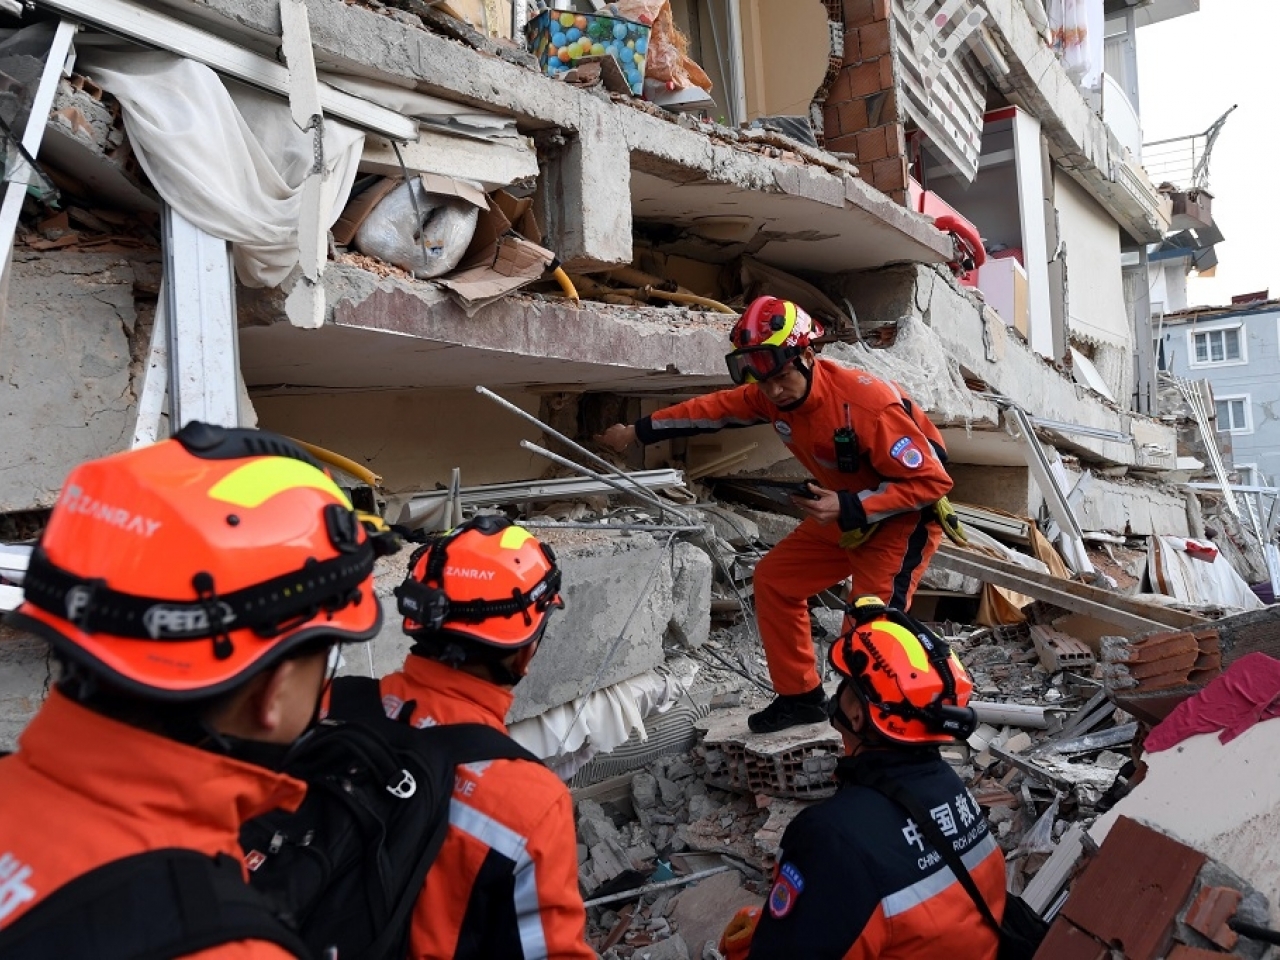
(513, 846)
(934, 884)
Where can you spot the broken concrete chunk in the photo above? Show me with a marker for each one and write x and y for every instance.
(594, 826)
(644, 791)
(673, 948)
(701, 912)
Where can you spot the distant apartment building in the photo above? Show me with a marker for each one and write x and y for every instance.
(1237, 350)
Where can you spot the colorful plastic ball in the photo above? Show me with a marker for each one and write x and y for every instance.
(564, 55)
(566, 20)
(572, 34)
(642, 45)
(580, 22)
(620, 31)
(558, 39)
(597, 50)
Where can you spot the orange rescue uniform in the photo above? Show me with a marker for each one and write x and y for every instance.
(898, 475)
(84, 790)
(505, 883)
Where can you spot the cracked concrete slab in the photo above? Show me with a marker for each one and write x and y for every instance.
(993, 353)
(586, 197)
(67, 341)
(398, 333)
(25, 676)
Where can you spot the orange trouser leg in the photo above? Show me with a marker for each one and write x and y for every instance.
(891, 563)
(809, 560)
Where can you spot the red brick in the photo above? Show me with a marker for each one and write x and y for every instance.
(871, 145)
(1210, 911)
(843, 144)
(851, 117)
(873, 39)
(880, 9)
(852, 47)
(865, 79)
(1132, 891)
(841, 88)
(894, 139)
(858, 12)
(1066, 941)
(889, 174)
(886, 73)
(899, 197)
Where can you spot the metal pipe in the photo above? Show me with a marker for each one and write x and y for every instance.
(641, 493)
(1013, 714)
(579, 448)
(621, 527)
(660, 885)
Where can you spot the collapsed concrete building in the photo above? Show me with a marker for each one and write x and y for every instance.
(950, 187)
(382, 366)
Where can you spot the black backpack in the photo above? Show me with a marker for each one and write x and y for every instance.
(338, 878)
(150, 906)
(347, 867)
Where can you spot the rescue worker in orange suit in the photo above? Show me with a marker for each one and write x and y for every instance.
(185, 669)
(879, 469)
(856, 876)
(505, 883)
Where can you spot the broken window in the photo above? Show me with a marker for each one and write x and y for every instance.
(1218, 346)
(1233, 414)
(738, 46)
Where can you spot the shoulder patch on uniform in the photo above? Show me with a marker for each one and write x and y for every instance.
(907, 453)
(784, 430)
(786, 890)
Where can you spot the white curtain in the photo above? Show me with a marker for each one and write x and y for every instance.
(227, 157)
(1077, 28)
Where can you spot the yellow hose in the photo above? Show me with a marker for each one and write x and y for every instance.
(346, 465)
(596, 289)
(566, 284)
(690, 299)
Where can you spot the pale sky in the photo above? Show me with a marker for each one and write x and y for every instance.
(1191, 69)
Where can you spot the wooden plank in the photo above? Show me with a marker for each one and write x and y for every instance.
(1068, 594)
(1050, 878)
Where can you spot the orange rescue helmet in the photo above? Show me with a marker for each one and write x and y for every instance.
(769, 335)
(487, 580)
(913, 686)
(177, 571)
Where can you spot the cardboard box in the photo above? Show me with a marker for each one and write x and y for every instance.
(561, 38)
(1004, 284)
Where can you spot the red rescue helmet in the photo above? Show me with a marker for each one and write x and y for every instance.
(487, 580)
(769, 335)
(177, 571)
(912, 685)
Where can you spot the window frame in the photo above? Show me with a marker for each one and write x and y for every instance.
(1242, 339)
(1248, 413)
(1253, 474)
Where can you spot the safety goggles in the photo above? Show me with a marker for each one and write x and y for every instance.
(756, 364)
(835, 712)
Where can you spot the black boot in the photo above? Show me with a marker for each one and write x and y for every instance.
(790, 710)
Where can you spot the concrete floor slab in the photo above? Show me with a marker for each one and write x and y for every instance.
(396, 333)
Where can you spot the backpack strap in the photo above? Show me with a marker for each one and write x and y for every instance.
(877, 781)
(155, 905)
(474, 742)
(462, 743)
(356, 698)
